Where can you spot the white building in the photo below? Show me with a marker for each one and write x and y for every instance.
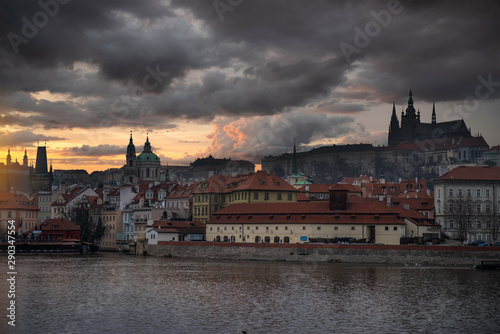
(467, 203)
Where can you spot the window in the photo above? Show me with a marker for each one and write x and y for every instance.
(286, 228)
(279, 196)
(439, 193)
(459, 192)
(267, 228)
(289, 197)
(387, 228)
(450, 192)
(353, 228)
(451, 224)
(303, 228)
(488, 208)
(319, 228)
(479, 224)
(256, 227)
(336, 228)
(255, 195)
(478, 208)
(469, 193)
(487, 193)
(266, 196)
(469, 208)
(9, 214)
(395, 228)
(478, 193)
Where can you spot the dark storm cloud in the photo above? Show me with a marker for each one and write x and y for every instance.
(125, 62)
(94, 151)
(23, 138)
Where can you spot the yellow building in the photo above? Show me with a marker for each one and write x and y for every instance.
(341, 217)
(21, 210)
(113, 221)
(220, 191)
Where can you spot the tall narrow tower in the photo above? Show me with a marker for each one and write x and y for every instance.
(130, 170)
(9, 158)
(394, 131)
(25, 159)
(41, 178)
(433, 113)
(409, 121)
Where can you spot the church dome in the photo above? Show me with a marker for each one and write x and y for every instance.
(147, 156)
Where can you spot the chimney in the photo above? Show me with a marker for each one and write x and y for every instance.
(63, 187)
(389, 200)
(338, 199)
(406, 206)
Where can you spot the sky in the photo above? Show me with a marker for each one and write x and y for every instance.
(236, 78)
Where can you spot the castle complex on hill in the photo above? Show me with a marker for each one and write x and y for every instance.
(415, 149)
(412, 130)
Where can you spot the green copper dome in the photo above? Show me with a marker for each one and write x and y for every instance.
(147, 156)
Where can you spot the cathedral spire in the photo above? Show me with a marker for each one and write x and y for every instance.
(433, 113)
(25, 159)
(9, 158)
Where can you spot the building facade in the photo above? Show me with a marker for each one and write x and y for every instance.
(342, 216)
(467, 203)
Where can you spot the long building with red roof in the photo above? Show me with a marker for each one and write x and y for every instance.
(342, 216)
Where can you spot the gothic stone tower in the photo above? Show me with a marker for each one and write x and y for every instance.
(409, 121)
(41, 179)
(394, 131)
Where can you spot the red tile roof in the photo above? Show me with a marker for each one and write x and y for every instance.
(472, 173)
(260, 180)
(325, 188)
(494, 148)
(355, 206)
(58, 225)
(17, 201)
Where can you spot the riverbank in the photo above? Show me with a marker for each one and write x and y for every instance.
(407, 254)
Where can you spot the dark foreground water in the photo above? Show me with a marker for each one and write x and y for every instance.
(126, 294)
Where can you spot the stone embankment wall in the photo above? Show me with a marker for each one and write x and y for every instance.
(410, 254)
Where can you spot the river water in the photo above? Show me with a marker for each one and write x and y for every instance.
(112, 293)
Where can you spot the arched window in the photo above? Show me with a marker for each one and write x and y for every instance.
(276, 240)
(267, 239)
(131, 179)
(147, 172)
(131, 162)
(257, 239)
(286, 240)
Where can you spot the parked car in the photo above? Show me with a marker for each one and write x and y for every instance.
(468, 242)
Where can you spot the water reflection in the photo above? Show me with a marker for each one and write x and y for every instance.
(119, 294)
